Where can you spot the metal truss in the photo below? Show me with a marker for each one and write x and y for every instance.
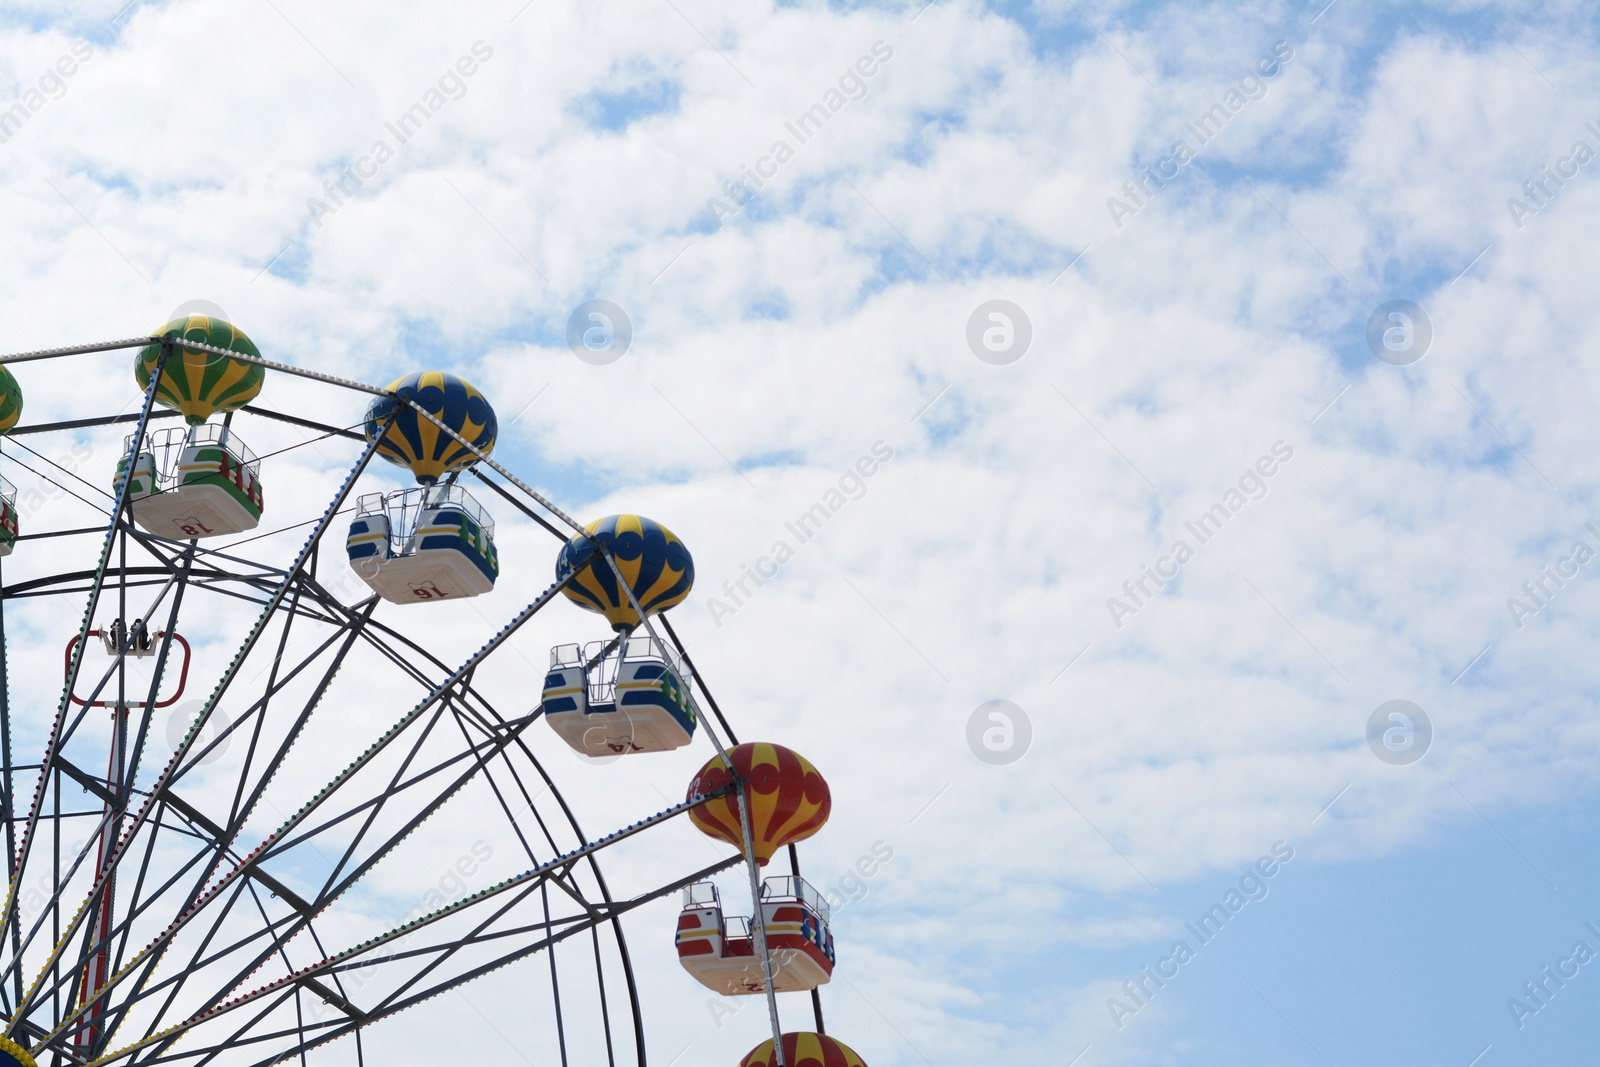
(148, 920)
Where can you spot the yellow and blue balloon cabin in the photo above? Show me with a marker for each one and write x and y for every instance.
(408, 440)
(653, 561)
(632, 700)
(417, 546)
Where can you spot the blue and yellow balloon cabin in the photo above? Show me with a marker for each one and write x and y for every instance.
(10, 400)
(197, 383)
(654, 563)
(414, 442)
(610, 703)
(423, 544)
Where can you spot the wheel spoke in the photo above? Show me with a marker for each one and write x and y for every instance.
(30, 825)
(150, 899)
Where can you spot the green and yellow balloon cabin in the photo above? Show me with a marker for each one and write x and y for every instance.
(197, 383)
(10, 400)
(433, 542)
(10, 412)
(203, 481)
(10, 527)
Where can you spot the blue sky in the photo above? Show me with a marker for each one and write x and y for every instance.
(834, 310)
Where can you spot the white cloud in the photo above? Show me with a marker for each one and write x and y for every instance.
(979, 561)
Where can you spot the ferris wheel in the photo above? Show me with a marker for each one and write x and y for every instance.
(236, 732)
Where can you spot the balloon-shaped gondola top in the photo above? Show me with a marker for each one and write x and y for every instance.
(10, 400)
(417, 443)
(654, 563)
(804, 1049)
(789, 801)
(198, 383)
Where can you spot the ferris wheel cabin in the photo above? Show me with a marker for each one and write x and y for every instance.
(8, 517)
(431, 542)
(198, 482)
(720, 951)
(603, 702)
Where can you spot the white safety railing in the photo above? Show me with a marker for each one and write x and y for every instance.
(793, 887)
(601, 673)
(404, 507)
(702, 895)
(167, 446)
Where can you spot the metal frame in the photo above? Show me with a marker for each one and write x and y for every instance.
(222, 916)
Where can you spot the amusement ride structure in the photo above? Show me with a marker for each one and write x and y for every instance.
(205, 894)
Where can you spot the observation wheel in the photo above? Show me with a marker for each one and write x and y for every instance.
(277, 738)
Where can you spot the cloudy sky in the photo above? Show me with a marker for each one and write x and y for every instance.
(1224, 374)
